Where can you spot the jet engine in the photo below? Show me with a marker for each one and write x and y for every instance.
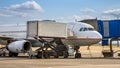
(19, 46)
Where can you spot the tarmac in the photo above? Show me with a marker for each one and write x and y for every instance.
(90, 59)
(23, 62)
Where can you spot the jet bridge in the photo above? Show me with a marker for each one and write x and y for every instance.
(109, 29)
(46, 29)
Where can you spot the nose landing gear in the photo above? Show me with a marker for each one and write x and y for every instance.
(77, 54)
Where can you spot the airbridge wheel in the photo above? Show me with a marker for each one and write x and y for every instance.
(46, 55)
(13, 54)
(10, 54)
(65, 54)
(56, 55)
(39, 55)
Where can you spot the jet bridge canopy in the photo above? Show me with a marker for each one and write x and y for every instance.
(46, 29)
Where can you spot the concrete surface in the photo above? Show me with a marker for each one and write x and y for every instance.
(24, 62)
(90, 59)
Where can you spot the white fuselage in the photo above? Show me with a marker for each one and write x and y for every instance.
(82, 34)
(78, 33)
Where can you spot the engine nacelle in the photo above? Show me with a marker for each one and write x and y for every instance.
(19, 46)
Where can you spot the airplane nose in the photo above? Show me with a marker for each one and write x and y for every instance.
(97, 35)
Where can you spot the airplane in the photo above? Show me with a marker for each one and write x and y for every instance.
(79, 34)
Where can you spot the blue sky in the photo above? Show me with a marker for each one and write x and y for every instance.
(20, 11)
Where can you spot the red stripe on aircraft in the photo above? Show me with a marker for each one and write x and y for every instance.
(82, 38)
(75, 38)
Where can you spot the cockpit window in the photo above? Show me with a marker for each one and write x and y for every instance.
(81, 29)
(90, 29)
(86, 29)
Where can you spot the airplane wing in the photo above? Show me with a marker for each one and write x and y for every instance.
(5, 38)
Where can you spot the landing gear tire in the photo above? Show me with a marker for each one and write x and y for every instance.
(77, 55)
(65, 54)
(13, 54)
(46, 55)
(39, 55)
(10, 54)
(4, 54)
(56, 55)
